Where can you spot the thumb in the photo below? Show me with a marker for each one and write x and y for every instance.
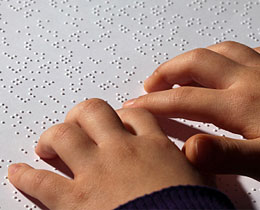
(224, 155)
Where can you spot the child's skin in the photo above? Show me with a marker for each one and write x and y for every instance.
(221, 85)
(118, 157)
(113, 160)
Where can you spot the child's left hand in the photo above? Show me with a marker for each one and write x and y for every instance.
(113, 160)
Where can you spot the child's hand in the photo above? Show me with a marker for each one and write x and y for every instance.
(113, 160)
(229, 96)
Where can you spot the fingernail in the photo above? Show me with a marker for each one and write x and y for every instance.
(12, 169)
(129, 103)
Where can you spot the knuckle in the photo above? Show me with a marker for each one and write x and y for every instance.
(80, 194)
(162, 67)
(91, 105)
(163, 142)
(228, 45)
(197, 55)
(126, 151)
(61, 131)
(178, 94)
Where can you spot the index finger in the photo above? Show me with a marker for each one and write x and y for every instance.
(201, 66)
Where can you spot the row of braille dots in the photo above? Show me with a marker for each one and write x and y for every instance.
(105, 35)
(123, 29)
(47, 66)
(121, 98)
(108, 9)
(91, 76)
(140, 19)
(53, 3)
(26, 28)
(69, 72)
(76, 89)
(30, 90)
(253, 36)
(4, 107)
(111, 48)
(50, 120)
(190, 22)
(247, 22)
(96, 10)
(203, 31)
(4, 42)
(44, 122)
(1, 161)
(95, 61)
(197, 4)
(26, 4)
(29, 13)
(129, 74)
(169, 3)
(248, 6)
(4, 183)
(253, 190)
(158, 40)
(19, 118)
(27, 206)
(135, 35)
(11, 57)
(140, 49)
(18, 81)
(173, 31)
(23, 99)
(5, 111)
(160, 23)
(175, 18)
(118, 62)
(66, 60)
(123, 11)
(54, 99)
(158, 10)
(200, 125)
(140, 4)
(24, 151)
(4, 87)
(218, 9)
(8, 162)
(105, 86)
(28, 44)
(156, 58)
(100, 24)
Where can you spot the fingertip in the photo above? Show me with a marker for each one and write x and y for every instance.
(129, 103)
(45, 153)
(147, 84)
(200, 150)
(12, 169)
(190, 149)
(15, 171)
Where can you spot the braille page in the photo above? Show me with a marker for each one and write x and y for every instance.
(57, 53)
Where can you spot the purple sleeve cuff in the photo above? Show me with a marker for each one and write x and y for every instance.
(182, 197)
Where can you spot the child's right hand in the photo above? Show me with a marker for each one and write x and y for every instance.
(229, 97)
